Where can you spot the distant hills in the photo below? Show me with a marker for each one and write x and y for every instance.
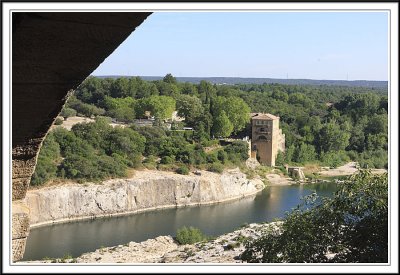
(245, 80)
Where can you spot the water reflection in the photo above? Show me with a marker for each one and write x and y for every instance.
(82, 236)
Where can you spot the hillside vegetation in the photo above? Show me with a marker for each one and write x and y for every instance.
(327, 125)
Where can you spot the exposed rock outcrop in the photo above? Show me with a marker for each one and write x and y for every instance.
(146, 191)
(163, 249)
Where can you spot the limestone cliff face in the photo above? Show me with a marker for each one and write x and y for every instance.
(147, 190)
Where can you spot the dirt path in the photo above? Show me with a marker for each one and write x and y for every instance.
(71, 121)
(347, 169)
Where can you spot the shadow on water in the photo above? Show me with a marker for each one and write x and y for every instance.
(79, 237)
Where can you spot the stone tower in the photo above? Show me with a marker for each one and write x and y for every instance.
(267, 139)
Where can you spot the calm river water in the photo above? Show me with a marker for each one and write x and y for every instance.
(79, 237)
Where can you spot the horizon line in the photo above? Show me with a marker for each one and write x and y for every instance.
(241, 77)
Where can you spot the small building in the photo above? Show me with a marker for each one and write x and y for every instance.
(267, 138)
(144, 122)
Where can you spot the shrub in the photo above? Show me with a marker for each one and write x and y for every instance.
(189, 235)
(183, 170)
(49, 156)
(353, 155)
(212, 157)
(374, 159)
(167, 160)
(222, 156)
(232, 246)
(67, 112)
(209, 143)
(150, 162)
(238, 150)
(280, 159)
(334, 158)
(58, 121)
(216, 167)
(166, 167)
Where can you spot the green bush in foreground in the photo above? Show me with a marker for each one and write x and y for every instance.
(189, 235)
(352, 226)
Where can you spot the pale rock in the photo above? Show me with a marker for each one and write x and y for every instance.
(147, 190)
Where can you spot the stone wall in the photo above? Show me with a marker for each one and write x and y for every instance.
(52, 53)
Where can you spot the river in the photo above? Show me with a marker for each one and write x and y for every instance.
(78, 237)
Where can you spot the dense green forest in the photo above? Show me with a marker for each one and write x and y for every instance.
(327, 125)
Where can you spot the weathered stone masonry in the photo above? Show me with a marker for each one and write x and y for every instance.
(52, 53)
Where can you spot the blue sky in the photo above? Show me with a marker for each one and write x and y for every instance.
(311, 45)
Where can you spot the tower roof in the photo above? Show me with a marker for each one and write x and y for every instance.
(264, 116)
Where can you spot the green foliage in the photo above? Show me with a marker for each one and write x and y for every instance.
(92, 133)
(377, 141)
(58, 121)
(125, 142)
(222, 127)
(236, 110)
(334, 159)
(150, 162)
(304, 153)
(67, 112)
(373, 159)
(280, 159)
(48, 159)
(190, 108)
(359, 105)
(189, 235)
(92, 167)
(355, 120)
(183, 170)
(353, 225)
(222, 156)
(159, 106)
(232, 246)
(212, 157)
(167, 159)
(84, 109)
(170, 79)
(122, 109)
(237, 151)
(90, 151)
(216, 167)
(300, 99)
(332, 138)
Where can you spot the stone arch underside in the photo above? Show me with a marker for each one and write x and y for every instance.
(52, 53)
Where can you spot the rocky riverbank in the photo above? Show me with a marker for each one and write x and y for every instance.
(148, 190)
(164, 249)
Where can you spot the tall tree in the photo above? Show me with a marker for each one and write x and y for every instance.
(222, 127)
(169, 78)
(237, 111)
(161, 107)
(190, 108)
(332, 138)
